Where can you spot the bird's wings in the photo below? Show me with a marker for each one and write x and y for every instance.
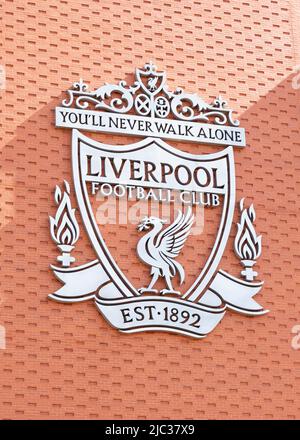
(171, 240)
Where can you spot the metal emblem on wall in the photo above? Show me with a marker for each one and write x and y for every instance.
(177, 295)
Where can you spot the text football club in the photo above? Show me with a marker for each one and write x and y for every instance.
(150, 209)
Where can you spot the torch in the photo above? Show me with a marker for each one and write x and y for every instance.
(64, 228)
(247, 244)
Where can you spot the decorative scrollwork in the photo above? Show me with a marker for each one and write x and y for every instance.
(115, 98)
(190, 107)
(121, 98)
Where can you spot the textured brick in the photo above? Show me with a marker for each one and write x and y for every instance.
(65, 361)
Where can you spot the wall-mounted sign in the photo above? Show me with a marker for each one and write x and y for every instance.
(179, 293)
(148, 108)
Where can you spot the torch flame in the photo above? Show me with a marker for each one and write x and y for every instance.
(64, 228)
(247, 244)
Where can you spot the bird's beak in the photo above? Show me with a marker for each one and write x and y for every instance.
(164, 222)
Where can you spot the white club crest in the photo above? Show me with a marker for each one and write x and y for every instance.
(167, 297)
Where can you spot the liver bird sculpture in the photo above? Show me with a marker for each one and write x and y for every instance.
(152, 83)
(159, 248)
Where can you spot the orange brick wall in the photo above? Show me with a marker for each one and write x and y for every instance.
(65, 361)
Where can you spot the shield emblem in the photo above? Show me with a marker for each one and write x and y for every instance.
(158, 217)
(155, 168)
(151, 81)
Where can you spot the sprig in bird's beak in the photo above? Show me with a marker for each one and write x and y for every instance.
(144, 224)
(150, 221)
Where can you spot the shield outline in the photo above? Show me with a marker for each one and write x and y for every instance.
(144, 73)
(115, 274)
